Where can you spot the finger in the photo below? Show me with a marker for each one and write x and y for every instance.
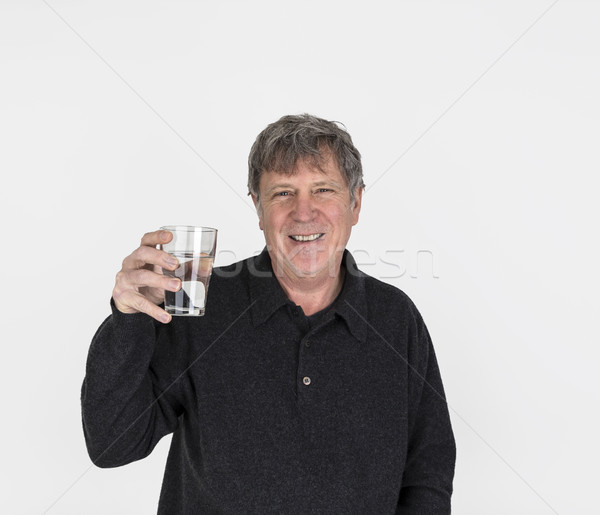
(131, 302)
(143, 256)
(201, 265)
(156, 238)
(146, 278)
(206, 264)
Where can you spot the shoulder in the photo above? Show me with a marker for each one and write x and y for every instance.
(228, 287)
(393, 311)
(395, 318)
(384, 296)
(235, 272)
(257, 265)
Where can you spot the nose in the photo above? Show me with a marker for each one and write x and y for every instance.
(304, 207)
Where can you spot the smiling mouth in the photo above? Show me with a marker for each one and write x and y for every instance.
(308, 237)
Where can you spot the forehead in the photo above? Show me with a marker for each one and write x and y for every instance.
(310, 170)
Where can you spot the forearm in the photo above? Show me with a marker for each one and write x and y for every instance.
(431, 452)
(124, 414)
(429, 471)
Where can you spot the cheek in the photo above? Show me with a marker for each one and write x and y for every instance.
(344, 218)
(269, 224)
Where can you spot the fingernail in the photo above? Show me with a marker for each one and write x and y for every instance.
(172, 261)
(165, 318)
(174, 284)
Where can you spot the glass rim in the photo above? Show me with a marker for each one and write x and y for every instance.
(188, 228)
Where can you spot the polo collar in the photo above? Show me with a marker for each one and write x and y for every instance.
(352, 302)
(267, 295)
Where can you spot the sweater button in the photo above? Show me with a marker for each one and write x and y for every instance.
(306, 380)
(307, 343)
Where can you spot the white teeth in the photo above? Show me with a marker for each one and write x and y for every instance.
(311, 237)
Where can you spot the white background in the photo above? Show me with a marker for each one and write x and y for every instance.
(117, 117)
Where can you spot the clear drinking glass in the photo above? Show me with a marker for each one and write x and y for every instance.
(194, 248)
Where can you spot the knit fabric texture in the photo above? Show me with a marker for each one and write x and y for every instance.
(272, 411)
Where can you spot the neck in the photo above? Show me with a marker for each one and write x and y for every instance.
(312, 294)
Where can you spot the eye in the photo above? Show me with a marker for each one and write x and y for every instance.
(323, 190)
(282, 194)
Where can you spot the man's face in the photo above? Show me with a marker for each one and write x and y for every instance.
(307, 218)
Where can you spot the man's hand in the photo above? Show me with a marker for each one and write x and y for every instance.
(140, 284)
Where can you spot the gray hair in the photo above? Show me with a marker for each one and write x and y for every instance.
(295, 137)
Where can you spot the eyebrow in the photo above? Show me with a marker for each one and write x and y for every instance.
(278, 186)
(327, 183)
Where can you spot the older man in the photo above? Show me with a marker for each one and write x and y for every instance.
(308, 387)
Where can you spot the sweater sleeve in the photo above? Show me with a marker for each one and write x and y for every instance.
(127, 407)
(429, 471)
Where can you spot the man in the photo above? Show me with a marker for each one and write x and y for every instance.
(308, 386)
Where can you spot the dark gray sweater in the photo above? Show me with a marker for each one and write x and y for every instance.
(272, 413)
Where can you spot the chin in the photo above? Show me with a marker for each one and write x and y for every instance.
(308, 268)
(306, 261)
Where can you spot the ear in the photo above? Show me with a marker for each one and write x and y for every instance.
(258, 210)
(357, 203)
